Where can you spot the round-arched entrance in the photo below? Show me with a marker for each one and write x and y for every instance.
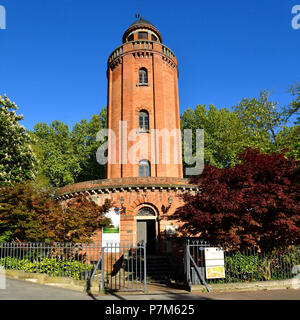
(146, 228)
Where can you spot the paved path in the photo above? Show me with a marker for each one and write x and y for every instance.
(23, 290)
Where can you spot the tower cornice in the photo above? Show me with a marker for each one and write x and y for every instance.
(139, 47)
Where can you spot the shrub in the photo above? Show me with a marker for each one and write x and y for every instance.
(275, 265)
(55, 267)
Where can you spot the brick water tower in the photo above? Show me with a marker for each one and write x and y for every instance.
(143, 93)
(144, 172)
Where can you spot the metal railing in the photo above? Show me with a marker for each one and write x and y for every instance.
(249, 265)
(123, 267)
(117, 266)
(75, 260)
(194, 268)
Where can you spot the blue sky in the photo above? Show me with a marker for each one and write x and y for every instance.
(53, 53)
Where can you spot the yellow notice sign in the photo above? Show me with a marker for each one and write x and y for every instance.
(215, 272)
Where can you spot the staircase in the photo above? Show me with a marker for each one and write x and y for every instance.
(158, 268)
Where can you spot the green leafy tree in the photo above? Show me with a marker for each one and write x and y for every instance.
(56, 153)
(255, 123)
(68, 157)
(83, 137)
(266, 123)
(17, 161)
(260, 119)
(224, 135)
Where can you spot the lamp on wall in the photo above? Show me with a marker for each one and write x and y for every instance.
(165, 209)
(123, 209)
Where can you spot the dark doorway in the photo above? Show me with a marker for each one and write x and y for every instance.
(146, 232)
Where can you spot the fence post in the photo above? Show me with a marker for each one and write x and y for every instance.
(102, 271)
(188, 266)
(145, 267)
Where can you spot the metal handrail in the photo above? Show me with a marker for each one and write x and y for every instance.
(88, 285)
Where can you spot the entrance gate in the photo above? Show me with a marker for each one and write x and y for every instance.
(121, 267)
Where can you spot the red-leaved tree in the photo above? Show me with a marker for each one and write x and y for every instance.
(29, 213)
(255, 203)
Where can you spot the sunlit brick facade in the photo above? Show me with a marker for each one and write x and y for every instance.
(143, 92)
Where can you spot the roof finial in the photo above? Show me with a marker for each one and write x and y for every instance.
(139, 15)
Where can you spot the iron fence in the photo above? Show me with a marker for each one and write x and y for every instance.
(117, 266)
(123, 267)
(247, 265)
(75, 260)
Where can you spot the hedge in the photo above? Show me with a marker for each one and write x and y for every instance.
(51, 266)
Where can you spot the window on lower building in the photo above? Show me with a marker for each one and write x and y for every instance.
(144, 168)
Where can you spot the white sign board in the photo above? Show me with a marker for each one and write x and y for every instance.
(111, 234)
(214, 263)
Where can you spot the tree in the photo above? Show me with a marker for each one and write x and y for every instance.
(17, 161)
(254, 203)
(266, 123)
(224, 134)
(78, 221)
(29, 213)
(85, 146)
(22, 208)
(56, 154)
(255, 122)
(68, 157)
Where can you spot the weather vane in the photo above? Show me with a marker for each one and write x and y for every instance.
(139, 15)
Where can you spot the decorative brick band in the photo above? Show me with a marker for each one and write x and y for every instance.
(125, 184)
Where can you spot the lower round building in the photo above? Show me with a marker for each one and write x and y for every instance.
(145, 206)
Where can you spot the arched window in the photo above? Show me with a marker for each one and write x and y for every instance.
(144, 120)
(146, 211)
(153, 38)
(143, 76)
(144, 168)
(130, 38)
